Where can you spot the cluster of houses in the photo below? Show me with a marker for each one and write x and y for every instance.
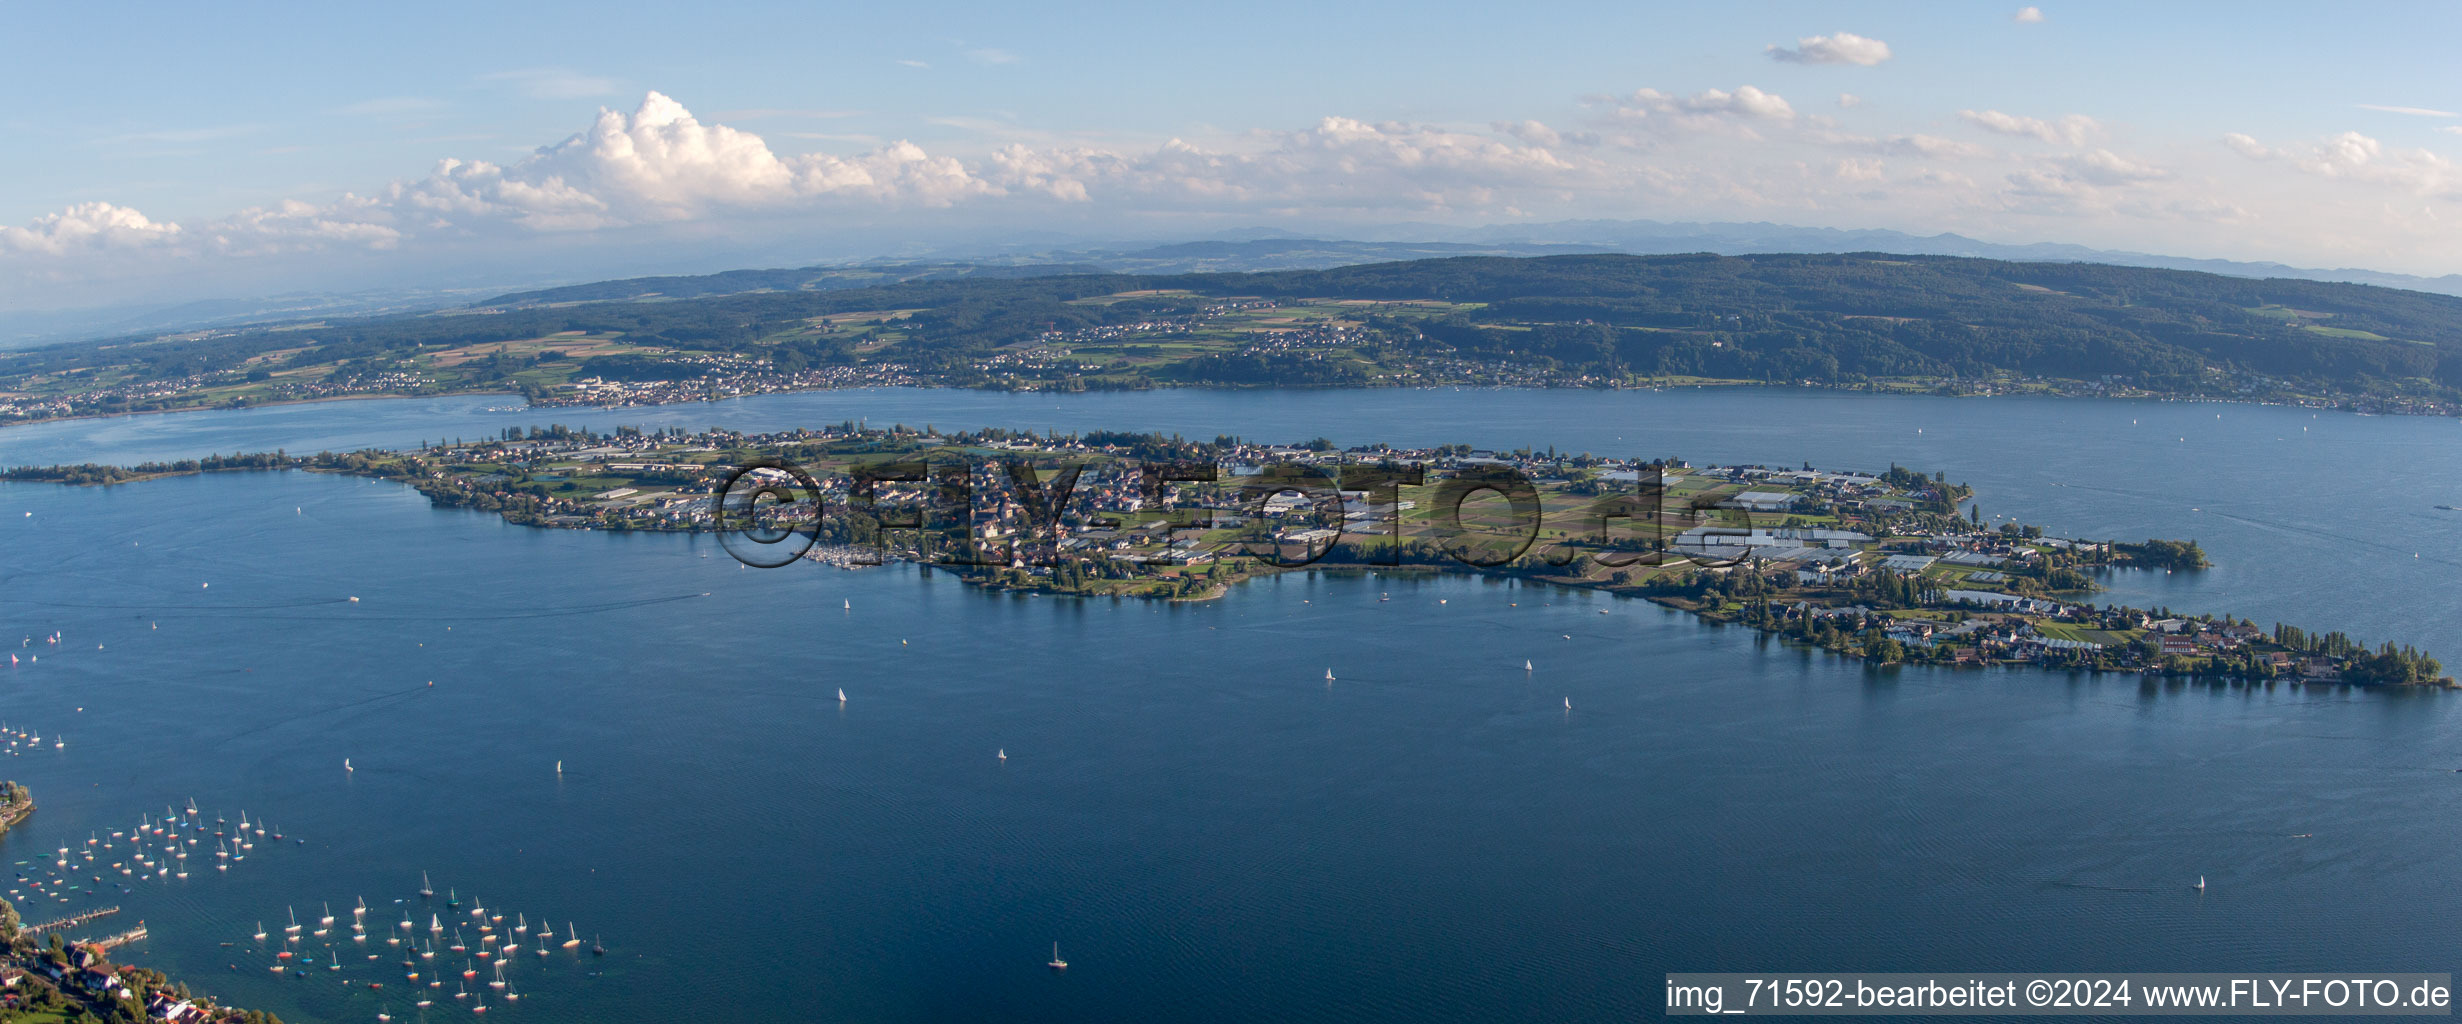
(723, 377)
(88, 975)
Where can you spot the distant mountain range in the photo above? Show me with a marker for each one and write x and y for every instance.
(1252, 249)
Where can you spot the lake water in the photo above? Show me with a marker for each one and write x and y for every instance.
(1209, 829)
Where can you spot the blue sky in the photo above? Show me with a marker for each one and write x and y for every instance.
(261, 147)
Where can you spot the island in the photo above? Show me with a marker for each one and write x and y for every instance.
(1873, 322)
(1893, 567)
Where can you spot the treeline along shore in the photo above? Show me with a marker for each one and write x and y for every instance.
(1894, 566)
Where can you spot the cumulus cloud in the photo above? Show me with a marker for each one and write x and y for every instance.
(88, 226)
(1339, 162)
(2073, 129)
(658, 172)
(2351, 156)
(1841, 48)
(2029, 16)
(2246, 146)
(2104, 167)
(1709, 109)
(659, 164)
(1539, 133)
(1931, 147)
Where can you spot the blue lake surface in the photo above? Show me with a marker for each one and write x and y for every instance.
(1210, 830)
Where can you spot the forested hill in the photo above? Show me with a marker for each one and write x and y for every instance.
(1880, 315)
(1853, 319)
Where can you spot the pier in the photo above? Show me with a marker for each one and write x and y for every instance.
(122, 939)
(71, 921)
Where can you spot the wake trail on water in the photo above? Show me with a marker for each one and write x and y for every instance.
(393, 697)
(2093, 887)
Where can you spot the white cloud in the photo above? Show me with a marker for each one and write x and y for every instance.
(2412, 111)
(661, 174)
(2073, 129)
(2246, 146)
(2029, 16)
(87, 226)
(1931, 147)
(1539, 133)
(1709, 109)
(2351, 156)
(1534, 132)
(2104, 167)
(1842, 48)
(553, 83)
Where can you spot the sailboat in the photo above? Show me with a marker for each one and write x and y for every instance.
(1056, 963)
